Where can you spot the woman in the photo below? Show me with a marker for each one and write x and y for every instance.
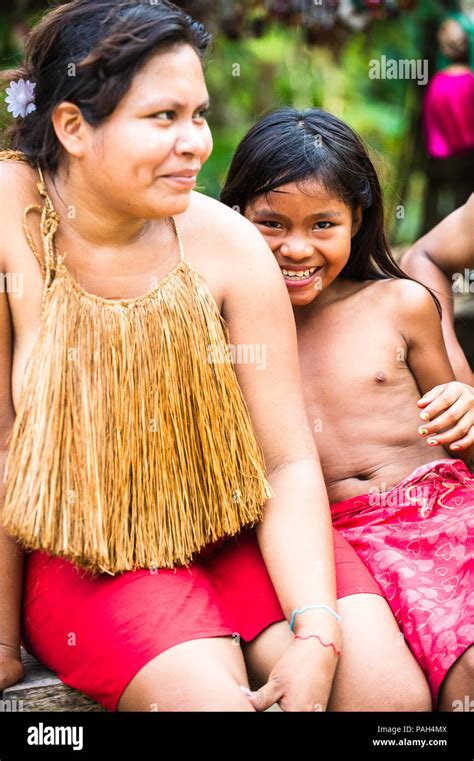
(119, 134)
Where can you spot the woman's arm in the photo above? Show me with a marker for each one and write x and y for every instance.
(452, 417)
(11, 554)
(295, 535)
(434, 259)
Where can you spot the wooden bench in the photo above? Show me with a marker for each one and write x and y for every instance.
(41, 690)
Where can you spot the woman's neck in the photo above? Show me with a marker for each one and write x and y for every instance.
(94, 223)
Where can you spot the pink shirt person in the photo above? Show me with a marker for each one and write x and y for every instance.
(448, 114)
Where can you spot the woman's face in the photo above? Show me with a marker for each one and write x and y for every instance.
(309, 233)
(157, 131)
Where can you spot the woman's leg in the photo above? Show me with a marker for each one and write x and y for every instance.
(376, 670)
(196, 675)
(458, 684)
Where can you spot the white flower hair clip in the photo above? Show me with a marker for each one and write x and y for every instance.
(21, 97)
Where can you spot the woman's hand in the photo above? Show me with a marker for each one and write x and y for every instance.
(447, 412)
(11, 667)
(301, 679)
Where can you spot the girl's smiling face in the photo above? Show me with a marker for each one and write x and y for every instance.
(309, 231)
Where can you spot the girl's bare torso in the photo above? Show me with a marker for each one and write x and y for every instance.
(360, 394)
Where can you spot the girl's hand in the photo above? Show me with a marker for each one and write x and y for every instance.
(449, 406)
(301, 680)
(11, 667)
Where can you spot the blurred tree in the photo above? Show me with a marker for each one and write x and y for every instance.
(269, 53)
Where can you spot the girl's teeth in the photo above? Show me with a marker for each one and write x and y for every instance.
(299, 275)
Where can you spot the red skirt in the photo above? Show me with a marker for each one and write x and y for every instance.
(417, 539)
(97, 633)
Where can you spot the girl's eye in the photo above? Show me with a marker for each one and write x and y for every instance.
(269, 223)
(323, 225)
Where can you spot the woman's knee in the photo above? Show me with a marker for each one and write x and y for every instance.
(198, 675)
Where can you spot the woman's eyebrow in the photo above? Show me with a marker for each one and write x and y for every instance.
(173, 104)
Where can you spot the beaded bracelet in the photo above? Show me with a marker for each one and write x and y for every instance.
(325, 644)
(307, 607)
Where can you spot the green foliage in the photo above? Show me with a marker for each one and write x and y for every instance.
(250, 76)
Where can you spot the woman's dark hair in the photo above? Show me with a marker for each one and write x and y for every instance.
(287, 146)
(87, 52)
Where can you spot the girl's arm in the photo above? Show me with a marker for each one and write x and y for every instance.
(295, 535)
(449, 405)
(11, 554)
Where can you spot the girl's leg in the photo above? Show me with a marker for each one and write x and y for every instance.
(458, 684)
(376, 670)
(197, 675)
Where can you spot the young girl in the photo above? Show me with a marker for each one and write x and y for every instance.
(369, 342)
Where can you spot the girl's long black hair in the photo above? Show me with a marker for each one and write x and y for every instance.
(288, 145)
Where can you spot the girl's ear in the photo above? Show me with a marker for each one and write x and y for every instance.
(356, 220)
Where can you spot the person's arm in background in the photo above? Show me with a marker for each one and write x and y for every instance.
(447, 249)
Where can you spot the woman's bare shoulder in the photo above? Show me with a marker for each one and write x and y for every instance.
(16, 174)
(17, 190)
(17, 187)
(221, 226)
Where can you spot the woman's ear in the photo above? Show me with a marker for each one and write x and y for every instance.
(71, 128)
(356, 220)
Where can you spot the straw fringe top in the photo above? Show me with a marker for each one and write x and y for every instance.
(132, 446)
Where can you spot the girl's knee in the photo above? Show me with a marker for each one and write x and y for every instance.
(413, 696)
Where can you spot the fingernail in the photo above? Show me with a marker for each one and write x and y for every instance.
(432, 442)
(423, 431)
(424, 416)
(455, 447)
(246, 691)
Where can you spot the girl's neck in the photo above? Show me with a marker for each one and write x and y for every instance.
(339, 289)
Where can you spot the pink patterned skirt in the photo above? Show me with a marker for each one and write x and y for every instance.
(417, 540)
